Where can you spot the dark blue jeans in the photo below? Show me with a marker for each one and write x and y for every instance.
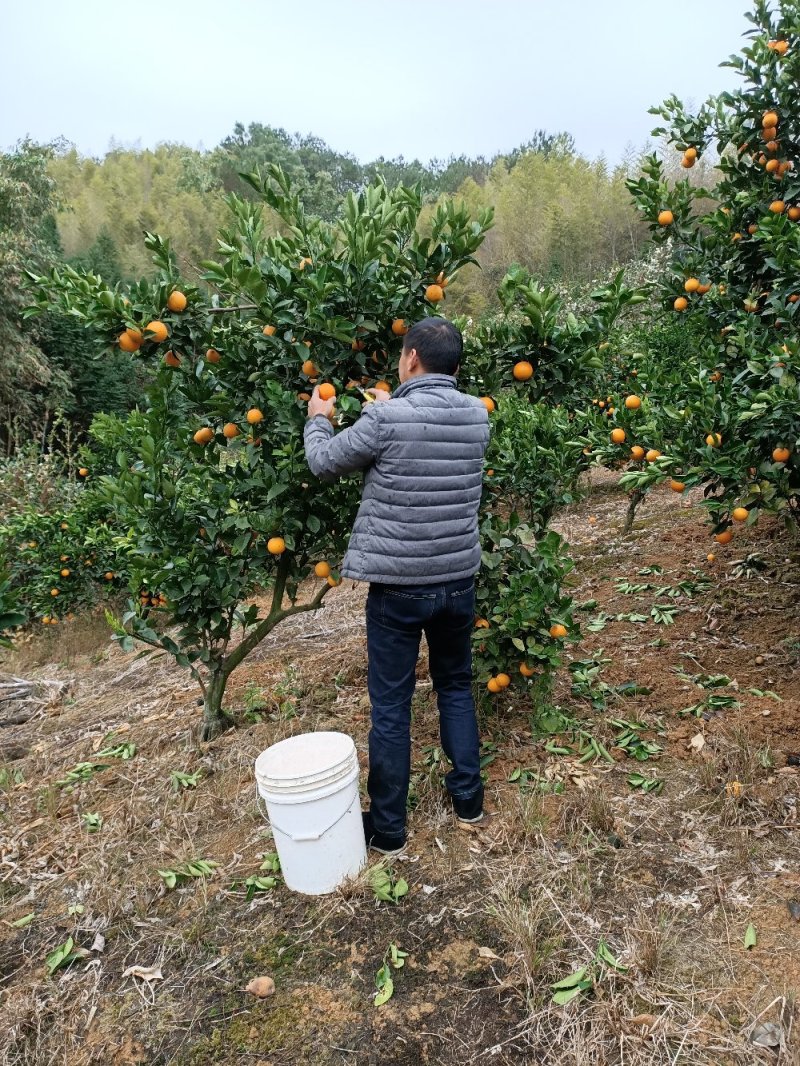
(397, 615)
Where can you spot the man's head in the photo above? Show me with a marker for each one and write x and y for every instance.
(432, 346)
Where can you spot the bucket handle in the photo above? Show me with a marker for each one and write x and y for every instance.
(300, 837)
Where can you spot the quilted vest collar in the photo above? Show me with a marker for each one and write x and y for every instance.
(425, 381)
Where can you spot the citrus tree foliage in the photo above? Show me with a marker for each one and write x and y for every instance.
(734, 418)
(212, 480)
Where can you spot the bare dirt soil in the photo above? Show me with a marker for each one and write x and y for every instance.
(577, 864)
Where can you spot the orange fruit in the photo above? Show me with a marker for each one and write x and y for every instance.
(781, 455)
(171, 359)
(652, 455)
(526, 670)
(736, 237)
(130, 340)
(713, 440)
(680, 303)
(771, 146)
(157, 331)
(384, 386)
(322, 570)
(304, 396)
(357, 346)
(212, 355)
(777, 206)
(769, 118)
(334, 582)
(618, 436)
(482, 623)
(637, 452)
(399, 327)
(326, 391)
(691, 284)
(676, 486)
(772, 165)
(309, 368)
(781, 47)
(230, 430)
(65, 572)
(254, 416)
(633, 403)
(711, 557)
(493, 685)
(739, 514)
(752, 228)
(503, 680)
(54, 592)
(557, 631)
(83, 472)
(794, 213)
(177, 301)
(691, 153)
(434, 293)
(665, 218)
(204, 435)
(523, 370)
(268, 331)
(276, 545)
(769, 133)
(725, 537)
(488, 403)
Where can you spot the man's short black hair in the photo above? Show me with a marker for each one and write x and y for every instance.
(438, 344)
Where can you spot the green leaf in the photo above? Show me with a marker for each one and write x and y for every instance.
(385, 992)
(750, 937)
(26, 919)
(572, 980)
(560, 998)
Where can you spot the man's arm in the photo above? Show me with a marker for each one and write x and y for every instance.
(332, 455)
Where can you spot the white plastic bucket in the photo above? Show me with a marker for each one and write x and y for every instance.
(309, 784)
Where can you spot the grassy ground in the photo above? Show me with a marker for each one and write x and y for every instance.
(668, 880)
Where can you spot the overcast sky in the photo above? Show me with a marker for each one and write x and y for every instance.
(417, 78)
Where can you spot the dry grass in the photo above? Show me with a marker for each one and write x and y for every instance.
(493, 918)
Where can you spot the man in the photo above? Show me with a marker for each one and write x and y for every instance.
(415, 540)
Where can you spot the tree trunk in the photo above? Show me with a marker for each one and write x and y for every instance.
(636, 498)
(215, 721)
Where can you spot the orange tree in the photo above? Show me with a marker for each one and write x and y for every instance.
(213, 482)
(735, 264)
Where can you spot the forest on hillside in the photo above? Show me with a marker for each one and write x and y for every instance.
(557, 214)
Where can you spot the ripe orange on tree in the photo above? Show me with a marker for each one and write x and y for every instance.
(254, 416)
(333, 582)
(676, 486)
(399, 327)
(526, 670)
(618, 436)
(691, 284)
(652, 455)
(327, 391)
(503, 680)
(680, 303)
(633, 403)
(769, 118)
(713, 440)
(794, 213)
(725, 537)
(276, 545)
(482, 623)
(83, 472)
(212, 355)
(177, 301)
(740, 514)
(157, 331)
(322, 569)
(310, 369)
(488, 403)
(557, 631)
(268, 331)
(777, 207)
(523, 370)
(230, 430)
(665, 218)
(171, 359)
(781, 455)
(434, 293)
(493, 685)
(637, 452)
(204, 435)
(130, 340)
